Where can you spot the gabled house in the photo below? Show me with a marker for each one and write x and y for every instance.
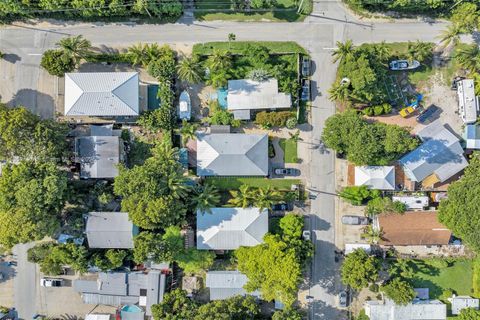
(231, 228)
(110, 230)
(416, 310)
(102, 94)
(245, 95)
(232, 154)
(227, 284)
(375, 177)
(438, 158)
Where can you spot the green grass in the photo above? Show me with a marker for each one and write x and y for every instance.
(233, 183)
(238, 47)
(457, 276)
(289, 148)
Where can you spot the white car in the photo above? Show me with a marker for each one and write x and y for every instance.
(306, 235)
(50, 282)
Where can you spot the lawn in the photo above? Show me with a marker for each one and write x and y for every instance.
(238, 47)
(233, 183)
(457, 276)
(289, 148)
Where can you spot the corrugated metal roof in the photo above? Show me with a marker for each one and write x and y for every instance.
(375, 177)
(248, 94)
(462, 302)
(232, 154)
(98, 156)
(110, 230)
(230, 228)
(440, 154)
(467, 101)
(226, 284)
(101, 94)
(418, 310)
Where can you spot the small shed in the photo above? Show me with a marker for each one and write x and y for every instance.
(462, 302)
(413, 202)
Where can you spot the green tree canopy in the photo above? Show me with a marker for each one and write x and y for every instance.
(400, 291)
(31, 198)
(52, 257)
(175, 306)
(158, 247)
(469, 314)
(57, 62)
(460, 212)
(359, 269)
(287, 314)
(234, 308)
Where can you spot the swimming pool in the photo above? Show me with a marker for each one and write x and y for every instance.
(131, 308)
(222, 97)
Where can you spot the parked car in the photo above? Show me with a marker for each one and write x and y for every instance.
(342, 299)
(51, 282)
(282, 206)
(355, 220)
(306, 235)
(284, 171)
(427, 113)
(306, 67)
(305, 91)
(400, 65)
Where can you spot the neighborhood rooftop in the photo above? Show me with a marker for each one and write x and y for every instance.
(467, 101)
(231, 228)
(462, 302)
(375, 177)
(101, 94)
(226, 284)
(110, 230)
(417, 310)
(233, 154)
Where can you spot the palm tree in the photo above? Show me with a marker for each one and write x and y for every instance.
(205, 198)
(451, 35)
(152, 52)
(402, 268)
(265, 197)
(469, 58)
(219, 60)
(372, 235)
(343, 50)
(76, 47)
(138, 54)
(188, 131)
(421, 51)
(176, 185)
(382, 51)
(190, 70)
(295, 136)
(243, 197)
(339, 92)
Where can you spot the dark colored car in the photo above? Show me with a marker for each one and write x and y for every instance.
(284, 171)
(427, 113)
(306, 67)
(355, 220)
(305, 91)
(282, 207)
(342, 299)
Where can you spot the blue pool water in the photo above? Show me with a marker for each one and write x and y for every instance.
(131, 308)
(222, 97)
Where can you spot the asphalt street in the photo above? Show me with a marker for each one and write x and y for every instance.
(319, 33)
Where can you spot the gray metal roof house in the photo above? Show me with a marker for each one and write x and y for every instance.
(416, 310)
(110, 230)
(462, 302)
(121, 288)
(226, 284)
(439, 157)
(231, 228)
(232, 154)
(101, 94)
(472, 136)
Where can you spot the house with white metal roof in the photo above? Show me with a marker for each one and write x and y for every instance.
(231, 228)
(413, 202)
(102, 94)
(415, 310)
(437, 159)
(245, 95)
(467, 101)
(472, 136)
(232, 154)
(110, 230)
(375, 177)
(462, 302)
(226, 284)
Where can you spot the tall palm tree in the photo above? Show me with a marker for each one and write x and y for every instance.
(205, 198)
(188, 131)
(339, 92)
(176, 184)
(76, 47)
(265, 197)
(402, 268)
(382, 51)
(421, 51)
(243, 197)
(190, 70)
(152, 51)
(469, 58)
(219, 60)
(451, 35)
(138, 54)
(343, 50)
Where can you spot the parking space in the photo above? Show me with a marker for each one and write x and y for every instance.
(7, 273)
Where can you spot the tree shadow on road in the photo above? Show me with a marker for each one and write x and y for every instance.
(37, 102)
(11, 57)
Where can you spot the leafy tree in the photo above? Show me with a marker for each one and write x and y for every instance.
(358, 195)
(205, 198)
(52, 257)
(400, 291)
(372, 235)
(75, 47)
(469, 314)
(398, 140)
(466, 16)
(459, 212)
(401, 268)
(343, 51)
(190, 70)
(420, 51)
(158, 247)
(359, 269)
(194, 261)
(162, 68)
(234, 308)
(384, 205)
(259, 75)
(218, 79)
(31, 198)
(469, 58)
(109, 260)
(57, 63)
(287, 314)
(219, 60)
(257, 55)
(175, 306)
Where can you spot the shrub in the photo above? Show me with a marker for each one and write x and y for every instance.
(384, 205)
(368, 111)
(291, 123)
(358, 195)
(57, 63)
(377, 110)
(259, 75)
(162, 69)
(447, 293)
(272, 119)
(373, 287)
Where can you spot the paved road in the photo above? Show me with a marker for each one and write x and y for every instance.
(329, 23)
(25, 283)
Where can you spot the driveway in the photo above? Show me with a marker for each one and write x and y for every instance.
(26, 282)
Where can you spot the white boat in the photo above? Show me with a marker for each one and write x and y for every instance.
(185, 106)
(398, 65)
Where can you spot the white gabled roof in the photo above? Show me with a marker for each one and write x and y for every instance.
(101, 94)
(375, 177)
(226, 284)
(231, 228)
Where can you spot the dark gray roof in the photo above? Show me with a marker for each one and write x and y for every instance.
(232, 154)
(98, 156)
(112, 230)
